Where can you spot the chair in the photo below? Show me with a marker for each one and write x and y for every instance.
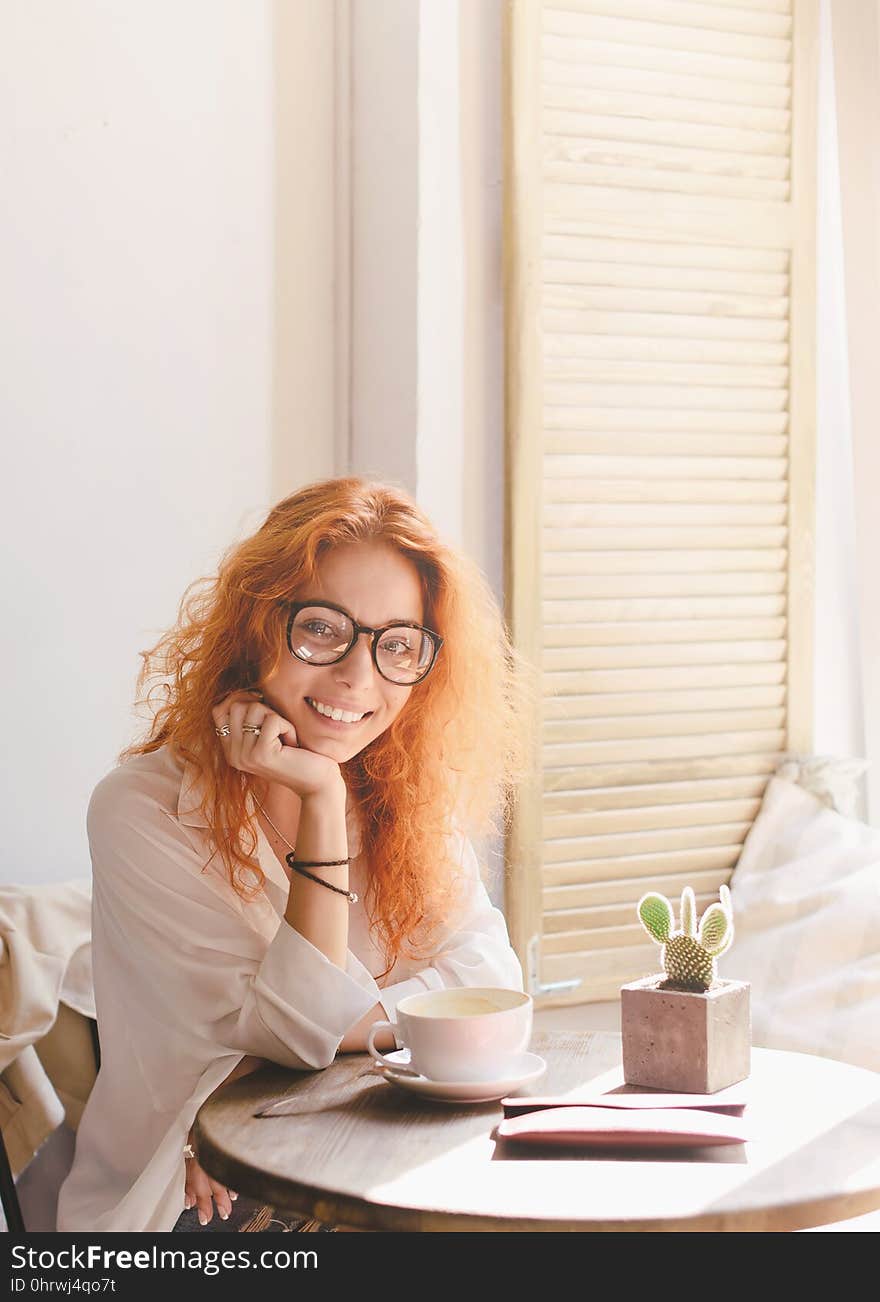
(49, 1047)
(46, 1051)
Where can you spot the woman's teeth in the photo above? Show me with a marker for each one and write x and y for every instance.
(339, 716)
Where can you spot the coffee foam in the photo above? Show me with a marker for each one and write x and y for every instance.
(465, 1005)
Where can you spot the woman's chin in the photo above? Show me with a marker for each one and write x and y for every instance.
(335, 748)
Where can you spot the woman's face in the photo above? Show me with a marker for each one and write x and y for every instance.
(376, 585)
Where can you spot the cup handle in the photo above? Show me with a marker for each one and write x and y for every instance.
(380, 1057)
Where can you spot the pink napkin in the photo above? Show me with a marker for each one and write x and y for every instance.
(732, 1100)
(592, 1126)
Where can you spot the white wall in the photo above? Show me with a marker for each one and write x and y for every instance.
(250, 245)
(136, 258)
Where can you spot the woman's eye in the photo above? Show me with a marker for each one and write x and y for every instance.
(396, 646)
(318, 627)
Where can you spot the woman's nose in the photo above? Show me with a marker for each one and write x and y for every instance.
(357, 669)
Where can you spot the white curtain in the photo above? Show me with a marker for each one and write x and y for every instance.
(848, 479)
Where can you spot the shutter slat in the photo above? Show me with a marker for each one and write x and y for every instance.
(644, 705)
(583, 241)
(585, 849)
(595, 455)
(641, 106)
(591, 515)
(557, 755)
(762, 146)
(653, 795)
(589, 38)
(567, 613)
(568, 587)
(637, 866)
(568, 683)
(639, 772)
(614, 173)
(604, 971)
(659, 537)
(575, 943)
(665, 76)
(750, 310)
(566, 495)
(628, 632)
(679, 376)
(665, 275)
(589, 895)
(620, 656)
(661, 725)
(589, 321)
(673, 563)
(627, 400)
(649, 606)
(653, 818)
(566, 930)
(696, 420)
(720, 357)
(673, 24)
(681, 13)
(624, 205)
(636, 156)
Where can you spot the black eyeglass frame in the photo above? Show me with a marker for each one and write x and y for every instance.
(436, 640)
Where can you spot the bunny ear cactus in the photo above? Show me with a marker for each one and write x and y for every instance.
(688, 955)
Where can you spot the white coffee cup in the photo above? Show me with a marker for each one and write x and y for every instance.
(467, 1033)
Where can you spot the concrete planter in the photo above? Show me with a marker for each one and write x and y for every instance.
(685, 1041)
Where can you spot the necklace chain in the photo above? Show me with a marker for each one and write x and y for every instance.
(272, 825)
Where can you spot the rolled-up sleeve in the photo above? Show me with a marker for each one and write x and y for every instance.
(195, 979)
(295, 976)
(475, 952)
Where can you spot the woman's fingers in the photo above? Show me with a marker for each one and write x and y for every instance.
(204, 1193)
(222, 1200)
(273, 753)
(254, 751)
(220, 712)
(198, 1192)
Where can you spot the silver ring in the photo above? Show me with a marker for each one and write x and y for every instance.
(251, 727)
(223, 731)
(188, 1151)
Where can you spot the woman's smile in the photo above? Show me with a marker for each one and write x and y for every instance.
(335, 715)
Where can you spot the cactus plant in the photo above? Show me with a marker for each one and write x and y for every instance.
(688, 956)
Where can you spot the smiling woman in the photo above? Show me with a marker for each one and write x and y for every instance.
(287, 853)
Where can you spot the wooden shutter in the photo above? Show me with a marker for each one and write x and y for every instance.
(660, 326)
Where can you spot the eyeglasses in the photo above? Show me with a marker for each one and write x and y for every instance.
(323, 634)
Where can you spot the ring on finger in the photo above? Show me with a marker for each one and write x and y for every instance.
(251, 727)
(223, 730)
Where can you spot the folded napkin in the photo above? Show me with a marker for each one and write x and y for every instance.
(592, 1126)
(730, 1101)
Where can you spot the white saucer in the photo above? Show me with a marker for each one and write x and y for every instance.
(525, 1068)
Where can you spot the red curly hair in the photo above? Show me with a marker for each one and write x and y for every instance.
(457, 758)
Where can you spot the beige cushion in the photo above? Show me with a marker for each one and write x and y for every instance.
(806, 908)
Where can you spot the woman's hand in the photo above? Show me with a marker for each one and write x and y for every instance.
(275, 754)
(200, 1189)
(203, 1192)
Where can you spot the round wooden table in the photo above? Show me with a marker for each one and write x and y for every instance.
(350, 1148)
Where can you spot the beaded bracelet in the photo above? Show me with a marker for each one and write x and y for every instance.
(299, 866)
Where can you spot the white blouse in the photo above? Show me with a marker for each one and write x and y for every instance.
(189, 979)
